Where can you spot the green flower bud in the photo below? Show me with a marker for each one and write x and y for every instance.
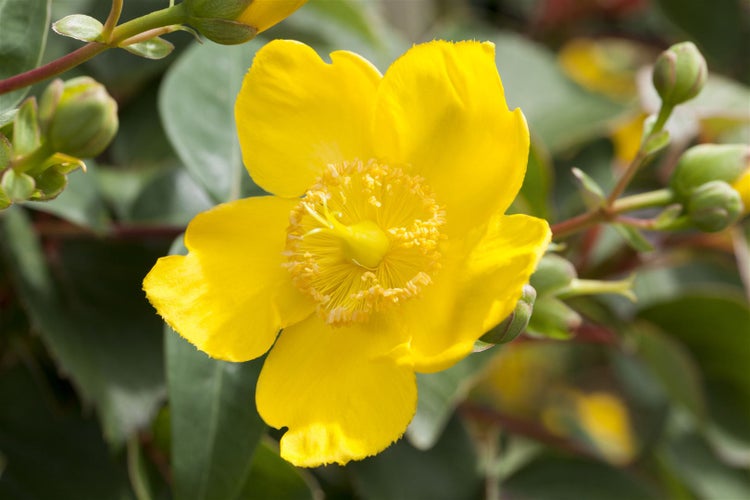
(553, 273)
(679, 73)
(49, 101)
(230, 22)
(553, 319)
(85, 120)
(49, 184)
(516, 323)
(17, 186)
(709, 162)
(714, 206)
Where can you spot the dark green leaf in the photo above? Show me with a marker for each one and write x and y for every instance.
(447, 471)
(79, 27)
(91, 314)
(154, 48)
(272, 477)
(50, 450)
(706, 475)
(719, 29)
(215, 427)
(23, 32)
(715, 330)
(672, 365)
(439, 393)
(567, 478)
(198, 114)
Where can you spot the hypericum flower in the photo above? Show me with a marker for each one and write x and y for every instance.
(384, 249)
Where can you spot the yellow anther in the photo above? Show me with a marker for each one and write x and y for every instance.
(364, 237)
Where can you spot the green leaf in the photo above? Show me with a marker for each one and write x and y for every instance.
(567, 478)
(7, 116)
(215, 426)
(447, 471)
(23, 33)
(634, 238)
(719, 29)
(154, 48)
(537, 182)
(92, 316)
(352, 14)
(673, 366)
(52, 451)
(593, 194)
(198, 114)
(272, 477)
(714, 328)
(692, 458)
(80, 203)
(79, 26)
(171, 197)
(439, 393)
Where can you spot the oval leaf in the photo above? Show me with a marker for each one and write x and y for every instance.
(198, 114)
(80, 27)
(27, 21)
(155, 48)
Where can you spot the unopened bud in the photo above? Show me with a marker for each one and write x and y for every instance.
(85, 120)
(512, 326)
(231, 22)
(679, 73)
(553, 273)
(714, 206)
(713, 162)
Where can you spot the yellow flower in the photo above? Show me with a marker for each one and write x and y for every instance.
(382, 251)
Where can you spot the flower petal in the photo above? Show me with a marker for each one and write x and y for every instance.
(476, 292)
(230, 295)
(296, 113)
(262, 14)
(337, 391)
(441, 108)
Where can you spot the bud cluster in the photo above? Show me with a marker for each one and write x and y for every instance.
(711, 182)
(75, 119)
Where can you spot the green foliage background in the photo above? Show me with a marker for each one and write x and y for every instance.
(97, 401)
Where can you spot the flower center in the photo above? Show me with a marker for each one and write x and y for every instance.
(365, 237)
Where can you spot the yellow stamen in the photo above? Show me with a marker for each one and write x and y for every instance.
(363, 238)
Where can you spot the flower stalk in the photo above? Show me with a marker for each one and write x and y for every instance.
(169, 16)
